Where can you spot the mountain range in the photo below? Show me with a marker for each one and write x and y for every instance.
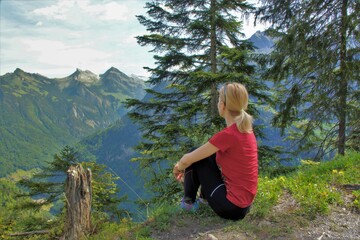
(40, 115)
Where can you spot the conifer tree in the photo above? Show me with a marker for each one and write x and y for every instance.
(197, 46)
(48, 184)
(315, 65)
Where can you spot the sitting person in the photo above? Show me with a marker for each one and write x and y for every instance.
(226, 167)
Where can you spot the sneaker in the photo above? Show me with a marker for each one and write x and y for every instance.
(202, 201)
(191, 207)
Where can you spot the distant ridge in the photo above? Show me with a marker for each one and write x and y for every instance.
(39, 115)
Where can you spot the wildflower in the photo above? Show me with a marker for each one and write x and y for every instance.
(282, 179)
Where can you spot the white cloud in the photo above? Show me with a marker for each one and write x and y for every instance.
(57, 11)
(58, 54)
(64, 9)
(129, 40)
(108, 12)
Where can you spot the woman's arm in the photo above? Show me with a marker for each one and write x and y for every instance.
(198, 154)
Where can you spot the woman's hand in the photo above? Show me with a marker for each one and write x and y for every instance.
(200, 153)
(178, 174)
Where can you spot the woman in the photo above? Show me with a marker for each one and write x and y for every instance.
(226, 167)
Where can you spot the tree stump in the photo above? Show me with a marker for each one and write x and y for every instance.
(78, 203)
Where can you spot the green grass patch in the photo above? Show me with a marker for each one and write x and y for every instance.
(269, 192)
(315, 186)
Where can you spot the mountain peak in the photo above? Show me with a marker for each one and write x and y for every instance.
(19, 71)
(86, 76)
(262, 41)
(114, 70)
(114, 74)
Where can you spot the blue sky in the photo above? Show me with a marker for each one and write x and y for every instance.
(54, 37)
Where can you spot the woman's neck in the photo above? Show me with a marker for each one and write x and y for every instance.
(230, 120)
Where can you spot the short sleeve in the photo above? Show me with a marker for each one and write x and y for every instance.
(222, 140)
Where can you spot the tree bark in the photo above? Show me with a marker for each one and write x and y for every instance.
(78, 203)
(214, 110)
(343, 84)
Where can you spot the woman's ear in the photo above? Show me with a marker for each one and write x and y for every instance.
(222, 105)
(221, 108)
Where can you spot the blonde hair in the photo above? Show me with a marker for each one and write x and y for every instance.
(235, 97)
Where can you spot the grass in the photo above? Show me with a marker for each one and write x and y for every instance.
(314, 187)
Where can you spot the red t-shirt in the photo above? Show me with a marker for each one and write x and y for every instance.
(238, 161)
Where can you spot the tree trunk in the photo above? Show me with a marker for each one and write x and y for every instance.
(214, 110)
(342, 111)
(78, 203)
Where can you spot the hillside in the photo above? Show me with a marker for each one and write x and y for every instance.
(317, 201)
(40, 115)
(113, 147)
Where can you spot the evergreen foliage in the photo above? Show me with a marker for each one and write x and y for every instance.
(48, 185)
(197, 46)
(12, 219)
(315, 65)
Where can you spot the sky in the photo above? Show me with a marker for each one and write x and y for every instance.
(55, 37)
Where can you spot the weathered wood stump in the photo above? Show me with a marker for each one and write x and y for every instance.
(78, 203)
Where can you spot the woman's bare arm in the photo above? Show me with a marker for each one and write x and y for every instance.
(198, 154)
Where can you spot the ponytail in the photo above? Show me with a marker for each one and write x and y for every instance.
(244, 122)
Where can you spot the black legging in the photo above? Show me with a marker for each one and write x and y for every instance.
(205, 173)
